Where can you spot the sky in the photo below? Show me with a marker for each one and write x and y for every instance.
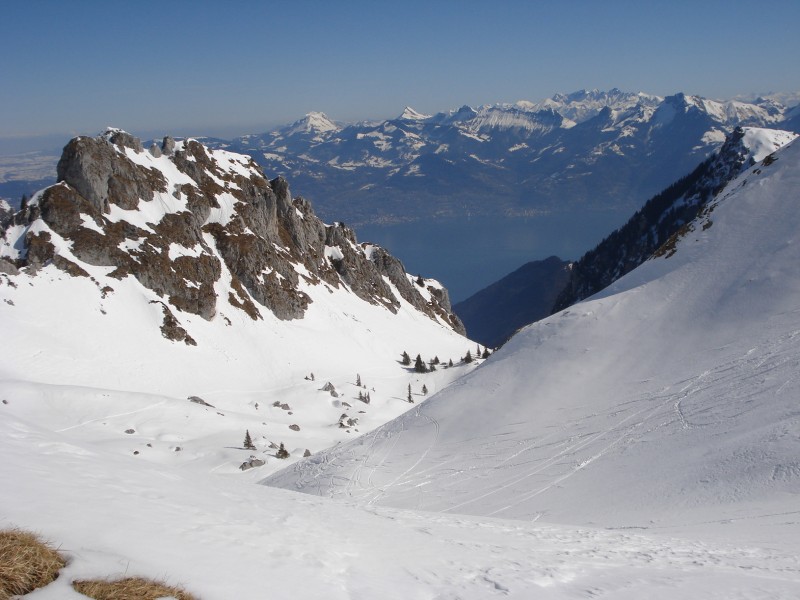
(228, 68)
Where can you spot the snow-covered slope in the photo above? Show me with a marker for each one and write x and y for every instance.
(668, 402)
(149, 277)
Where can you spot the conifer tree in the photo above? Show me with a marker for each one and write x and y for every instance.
(358, 380)
(410, 399)
(424, 390)
(282, 452)
(406, 358)
(248, 442)
(419, 365)
(468, 357)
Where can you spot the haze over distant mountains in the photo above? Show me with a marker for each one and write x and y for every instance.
(589, 150)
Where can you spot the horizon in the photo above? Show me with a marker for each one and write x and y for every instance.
(218, 72)
(22, 143)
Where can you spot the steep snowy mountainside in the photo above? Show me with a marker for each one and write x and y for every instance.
(146, 277)
(666, 403)
(661, 217)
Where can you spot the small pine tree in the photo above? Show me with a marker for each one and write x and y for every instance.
(419, 365)
(478, 353)
(360, 395)
(468, 357)
(424, 390)
(248, 441)
(410, 399)
(282, 452)
(358, 380)
(406, 358)
(436, 360)
(450, 363)
(485, 353)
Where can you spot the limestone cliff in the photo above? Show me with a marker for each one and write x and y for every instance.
(182, 218)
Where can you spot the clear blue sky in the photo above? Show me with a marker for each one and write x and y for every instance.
(229, 67)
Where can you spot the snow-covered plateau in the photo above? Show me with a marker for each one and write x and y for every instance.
(642, 444)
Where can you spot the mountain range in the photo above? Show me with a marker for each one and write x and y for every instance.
(589, 150)
(577, 163)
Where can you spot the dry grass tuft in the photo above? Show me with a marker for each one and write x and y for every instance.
(130, 588)
(26, 563)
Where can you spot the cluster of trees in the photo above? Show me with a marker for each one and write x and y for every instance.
(420, 366)
(249, 445)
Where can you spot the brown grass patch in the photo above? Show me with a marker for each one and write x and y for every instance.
(26, 563)
(130, 588)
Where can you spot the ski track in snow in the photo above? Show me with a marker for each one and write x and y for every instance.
(113, 416)
(639, 417)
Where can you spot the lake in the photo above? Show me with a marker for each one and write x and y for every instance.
(467, 254)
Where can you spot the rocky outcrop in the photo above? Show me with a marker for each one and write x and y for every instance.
(187, 222)
(102, 174)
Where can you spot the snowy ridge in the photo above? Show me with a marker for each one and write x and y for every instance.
(654, 228)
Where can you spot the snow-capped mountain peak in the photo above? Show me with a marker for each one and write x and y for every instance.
(409, 114)
(313, 123)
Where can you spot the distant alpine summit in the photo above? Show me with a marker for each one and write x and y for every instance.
(589, 149)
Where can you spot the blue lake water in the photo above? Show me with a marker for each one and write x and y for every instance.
(467, 254)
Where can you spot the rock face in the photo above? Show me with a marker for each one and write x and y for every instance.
(201, 228)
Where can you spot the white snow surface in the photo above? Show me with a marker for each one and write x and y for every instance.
(762, 142)
(641, 444)
(665, 405)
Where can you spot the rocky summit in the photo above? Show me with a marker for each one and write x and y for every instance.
(202, 229)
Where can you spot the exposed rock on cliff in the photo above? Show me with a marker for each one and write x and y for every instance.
(201, 229)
